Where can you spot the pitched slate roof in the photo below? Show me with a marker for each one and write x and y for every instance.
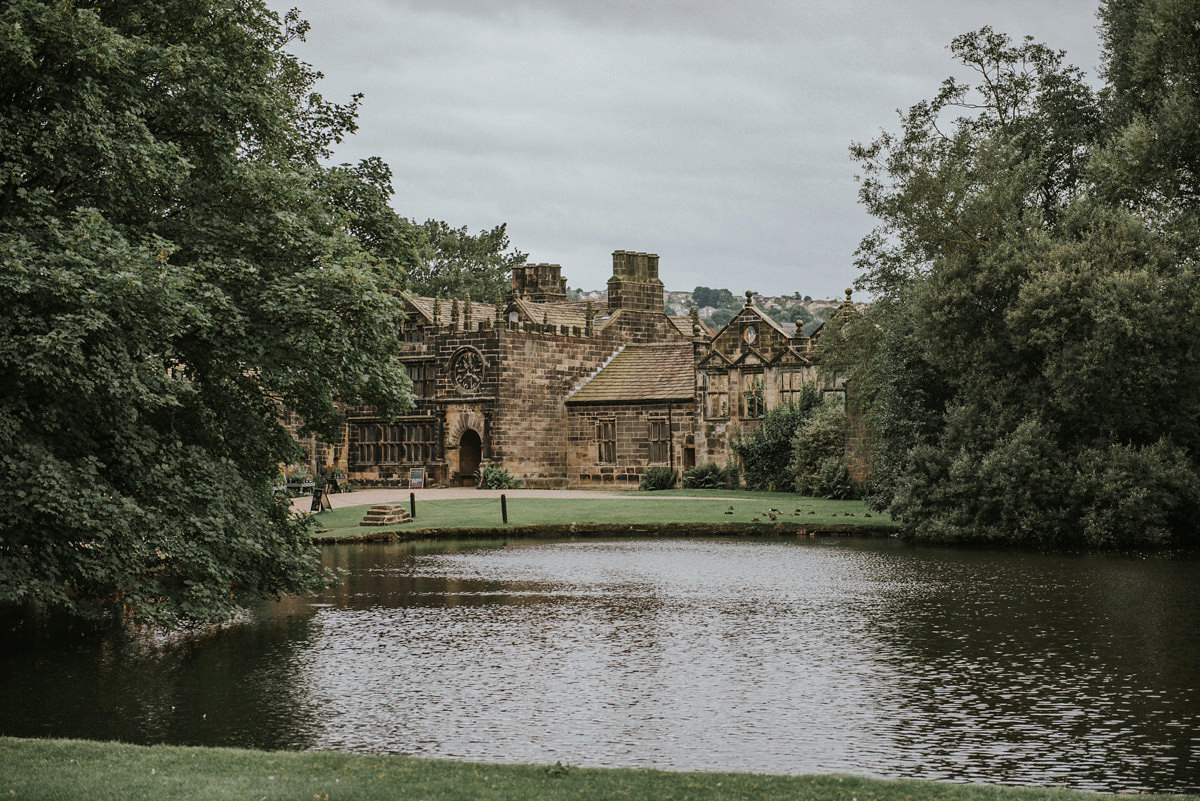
(684, 324)
(570, 314)
(642, 373)
(424, 306)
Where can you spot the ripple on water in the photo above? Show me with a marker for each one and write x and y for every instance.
(762, 656)
(867, 657)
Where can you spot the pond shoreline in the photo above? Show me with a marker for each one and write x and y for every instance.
(559, 530)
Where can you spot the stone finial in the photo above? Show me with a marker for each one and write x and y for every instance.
(749, 298)
(697, 330)
(454, 313)
(437, 311)
(467, 313)
(849, 292)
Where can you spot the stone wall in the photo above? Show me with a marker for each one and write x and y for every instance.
(622, 467)
(858, 441)
(528, 420)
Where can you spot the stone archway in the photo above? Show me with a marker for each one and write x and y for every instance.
(470, 454)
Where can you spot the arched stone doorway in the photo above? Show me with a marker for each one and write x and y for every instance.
(470, 454)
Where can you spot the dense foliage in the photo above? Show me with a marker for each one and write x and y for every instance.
(1029, 366)
(703, 297)
(493, 476)
(658, 478)
(819, 452)
(766, 452)
(710, 475)
(452, 263)
(176, 266)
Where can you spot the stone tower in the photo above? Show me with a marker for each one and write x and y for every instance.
(541, 283)
(635, 284)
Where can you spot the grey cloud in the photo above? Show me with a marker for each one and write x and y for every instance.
(715, 134)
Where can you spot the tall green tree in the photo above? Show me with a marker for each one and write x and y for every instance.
(1151, 161)
(1028, 366)
(176, 267)
(453, 263)
(703, 296)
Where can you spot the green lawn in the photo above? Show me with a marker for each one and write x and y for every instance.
(649, 508)
(70, 769)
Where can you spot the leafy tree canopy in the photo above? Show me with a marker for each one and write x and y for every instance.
(721, 317)
(819, 451)
(176, 266)
(795, 314)
(1029, 363)
(703, 296)
(452, 263)
(766, 451)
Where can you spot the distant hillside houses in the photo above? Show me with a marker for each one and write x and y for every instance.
(781, 308)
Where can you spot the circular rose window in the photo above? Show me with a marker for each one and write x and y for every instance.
(468, 371)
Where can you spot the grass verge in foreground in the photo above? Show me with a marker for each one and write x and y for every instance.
(74, 769)
(648, 508)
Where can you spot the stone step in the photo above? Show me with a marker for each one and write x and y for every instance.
(386, 514)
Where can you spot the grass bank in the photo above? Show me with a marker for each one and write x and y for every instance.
(712, 511)
(73, 769)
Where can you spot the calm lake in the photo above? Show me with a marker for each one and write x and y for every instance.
(861, 656)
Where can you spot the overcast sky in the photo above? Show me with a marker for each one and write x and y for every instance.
(711, 132)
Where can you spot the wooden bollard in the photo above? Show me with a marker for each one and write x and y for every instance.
(412, 505)
(504, 509)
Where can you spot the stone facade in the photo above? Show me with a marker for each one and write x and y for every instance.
(562, 393)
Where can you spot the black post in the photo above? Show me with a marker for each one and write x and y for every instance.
(504, 509)
(412, 505)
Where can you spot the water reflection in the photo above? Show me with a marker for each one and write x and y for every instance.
(235, 687)
(869, 657)
(1047, 669)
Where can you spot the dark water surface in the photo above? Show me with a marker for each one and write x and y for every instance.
(860, 656)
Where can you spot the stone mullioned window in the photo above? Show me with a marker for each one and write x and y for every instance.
(400, 443)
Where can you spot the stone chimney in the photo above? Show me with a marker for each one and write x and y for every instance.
(635, 284)
(540, 283)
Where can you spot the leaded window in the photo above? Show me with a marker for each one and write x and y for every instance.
(660, 442)
(606, 441)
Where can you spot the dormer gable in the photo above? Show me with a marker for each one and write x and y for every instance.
(713, 360)
(751, 329)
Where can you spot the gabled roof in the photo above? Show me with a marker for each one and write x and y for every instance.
(424, 307)
(763, 318)
(766, 318)
(643, 373)
(571, 314)
(752, 356)
(715, 356)
(793, 356)
(683, 323)
(607, 317)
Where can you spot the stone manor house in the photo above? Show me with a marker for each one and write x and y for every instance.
(561, 393)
